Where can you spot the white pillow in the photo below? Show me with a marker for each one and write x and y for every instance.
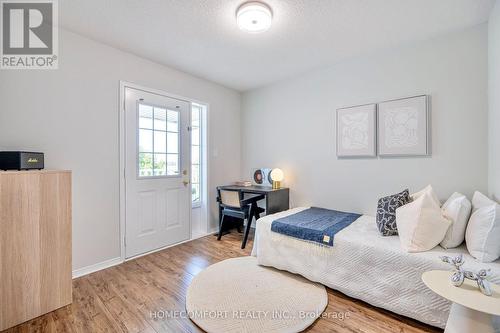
(420, 224)
(429, 190)
(483, 231)
(457, 209)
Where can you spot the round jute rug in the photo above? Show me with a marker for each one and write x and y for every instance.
(238, 295)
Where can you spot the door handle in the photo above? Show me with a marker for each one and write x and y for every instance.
(185, 182)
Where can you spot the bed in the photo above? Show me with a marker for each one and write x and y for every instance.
(364, 265)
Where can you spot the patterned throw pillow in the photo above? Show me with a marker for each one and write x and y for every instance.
(386, 212)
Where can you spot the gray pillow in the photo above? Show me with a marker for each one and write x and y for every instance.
(386, 212)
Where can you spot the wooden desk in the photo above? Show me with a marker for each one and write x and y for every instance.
(277, 200)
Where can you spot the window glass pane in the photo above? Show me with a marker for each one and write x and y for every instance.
(172, 164)
(160, 119)
(145, 116)
(195, 139)
(195, 177)
(160, 165)
(145, 165)
(160, 142)
(145, 141)
(195, 157)
(196, 152)
(195, 113)
(172, 143)
(195, 117)
(195, 192)
(172, 121)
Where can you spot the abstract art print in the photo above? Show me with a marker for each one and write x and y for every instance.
(403, 127)
(356, 131)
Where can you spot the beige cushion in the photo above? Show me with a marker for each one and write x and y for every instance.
(429, 190)
(457, 209)
(483, 230)
(420, 224)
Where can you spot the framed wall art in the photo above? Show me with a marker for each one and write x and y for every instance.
(403, 127)
(356, 131)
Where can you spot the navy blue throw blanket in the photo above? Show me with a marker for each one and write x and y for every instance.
(314, 224)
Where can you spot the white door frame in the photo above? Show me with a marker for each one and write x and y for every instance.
(205, 208)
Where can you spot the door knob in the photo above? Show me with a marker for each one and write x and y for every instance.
(185, 182)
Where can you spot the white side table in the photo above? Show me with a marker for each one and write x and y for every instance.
(471, 310)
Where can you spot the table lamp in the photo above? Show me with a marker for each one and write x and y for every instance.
(277, 177)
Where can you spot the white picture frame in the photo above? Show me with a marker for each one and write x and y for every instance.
(356, 131)
(403, 127)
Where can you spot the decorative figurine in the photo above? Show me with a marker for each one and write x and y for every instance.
(457, 279)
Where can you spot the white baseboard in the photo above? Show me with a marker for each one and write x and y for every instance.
(96, 267)
(116, 261)
(165, 247)
(202, 235)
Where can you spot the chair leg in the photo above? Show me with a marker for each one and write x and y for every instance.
(247, 230)
(220, 227)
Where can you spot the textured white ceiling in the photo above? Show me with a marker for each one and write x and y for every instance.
(201, 37)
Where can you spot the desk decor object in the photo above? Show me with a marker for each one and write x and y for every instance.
(244, 183)
(403, 127)
(277, 177)
(263, 177)
(459, 274)
(356, 131)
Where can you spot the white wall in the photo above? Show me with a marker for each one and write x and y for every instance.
(71, 114)
(291, 124)
(494, 100)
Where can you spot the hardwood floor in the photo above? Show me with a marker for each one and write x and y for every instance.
(126, 298)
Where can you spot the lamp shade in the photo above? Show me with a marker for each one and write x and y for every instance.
(277, 175)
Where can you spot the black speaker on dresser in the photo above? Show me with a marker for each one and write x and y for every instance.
(21, 160)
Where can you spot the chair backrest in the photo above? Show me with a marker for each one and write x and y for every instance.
(230, 198)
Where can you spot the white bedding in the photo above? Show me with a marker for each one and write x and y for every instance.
(366, 266)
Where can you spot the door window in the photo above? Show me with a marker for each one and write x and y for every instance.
(158, 144)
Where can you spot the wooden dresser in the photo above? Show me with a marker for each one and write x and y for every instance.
(35, 244)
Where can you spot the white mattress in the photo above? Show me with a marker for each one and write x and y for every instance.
(366, 266)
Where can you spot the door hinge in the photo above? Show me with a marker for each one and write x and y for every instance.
(189, 128)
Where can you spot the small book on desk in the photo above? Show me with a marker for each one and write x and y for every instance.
(244, 183)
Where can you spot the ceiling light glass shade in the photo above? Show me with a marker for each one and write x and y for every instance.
(254, 17)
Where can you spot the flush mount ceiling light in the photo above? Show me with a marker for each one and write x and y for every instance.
(254, 17)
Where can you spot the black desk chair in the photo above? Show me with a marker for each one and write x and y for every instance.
(233, 204)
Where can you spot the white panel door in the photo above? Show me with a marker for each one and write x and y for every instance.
(157, 165)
